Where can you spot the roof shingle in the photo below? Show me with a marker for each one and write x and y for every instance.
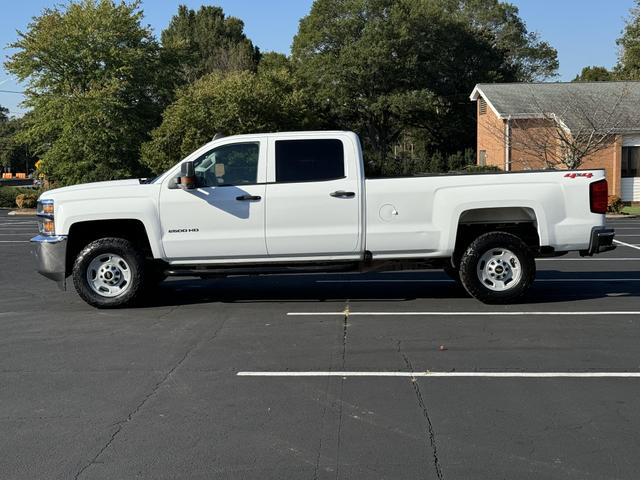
(579, 105)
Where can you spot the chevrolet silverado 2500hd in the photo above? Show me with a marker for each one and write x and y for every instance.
(299, 202)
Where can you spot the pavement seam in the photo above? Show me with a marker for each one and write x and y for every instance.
(120, 424)
(324, 410)
(425, 412)
(344, 359)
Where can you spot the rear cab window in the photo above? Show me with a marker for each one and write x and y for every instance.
(313, 160)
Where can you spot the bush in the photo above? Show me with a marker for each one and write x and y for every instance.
(8, 197)
(615, 204)
(481, 168)
(27, 200)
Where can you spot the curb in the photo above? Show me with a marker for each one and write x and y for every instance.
(27, 212)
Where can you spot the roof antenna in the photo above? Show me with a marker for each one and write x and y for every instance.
(218, 136)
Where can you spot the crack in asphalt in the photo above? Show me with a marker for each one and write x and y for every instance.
(120, 424)
(326, 393)
(324, 411)
(425, 412)
(344, 356)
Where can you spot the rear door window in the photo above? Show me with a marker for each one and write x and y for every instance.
(309, 160)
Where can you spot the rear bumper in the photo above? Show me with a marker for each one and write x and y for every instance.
(601, 241)
(51, 256)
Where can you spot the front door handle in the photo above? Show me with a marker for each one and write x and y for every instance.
(244, 198)
(343, 194)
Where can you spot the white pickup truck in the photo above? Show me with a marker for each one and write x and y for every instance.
(299, 202)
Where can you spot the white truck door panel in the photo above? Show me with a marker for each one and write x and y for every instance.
(313, 198)
(224, 217)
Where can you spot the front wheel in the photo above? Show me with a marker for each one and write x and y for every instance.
(109, 272)
(497, 267)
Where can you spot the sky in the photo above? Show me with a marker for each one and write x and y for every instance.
(583, 31)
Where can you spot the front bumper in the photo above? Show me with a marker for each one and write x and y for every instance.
(601, 241)
(51, 255)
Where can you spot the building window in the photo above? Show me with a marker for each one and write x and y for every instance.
(631, 161)
(482, 106)
(482, 158)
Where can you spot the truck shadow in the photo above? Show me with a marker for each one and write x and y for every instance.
(550, 287)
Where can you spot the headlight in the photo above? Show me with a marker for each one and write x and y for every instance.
(45, 208)
(46, 224)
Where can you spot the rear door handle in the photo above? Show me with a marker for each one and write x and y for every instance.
(244, 198)
(343, 194)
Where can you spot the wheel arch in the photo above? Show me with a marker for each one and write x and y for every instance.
(521, 221)
(84, 232)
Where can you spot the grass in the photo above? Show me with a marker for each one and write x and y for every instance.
(631, 210)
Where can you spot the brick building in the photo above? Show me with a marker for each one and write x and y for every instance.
(523, 126)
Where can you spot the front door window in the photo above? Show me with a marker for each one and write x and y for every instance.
(235, 164)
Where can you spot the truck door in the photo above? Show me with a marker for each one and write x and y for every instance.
(223, 218)
(313, 198)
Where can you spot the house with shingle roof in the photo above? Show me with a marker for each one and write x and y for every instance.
(532, 126)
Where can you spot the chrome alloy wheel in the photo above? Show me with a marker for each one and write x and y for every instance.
(499, 269)
(109, 275)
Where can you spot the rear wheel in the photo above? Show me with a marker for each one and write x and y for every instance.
(109, 272)
(497, 267)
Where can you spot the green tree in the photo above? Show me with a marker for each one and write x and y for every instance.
(233, 103)
(95, 86)
(274, 61)
(4, 114)
(207, 41)
(14, 154)
(382, 67)
(438, 164)
(594, 74)
(628, 67)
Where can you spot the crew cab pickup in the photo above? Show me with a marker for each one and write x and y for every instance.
(299, 202)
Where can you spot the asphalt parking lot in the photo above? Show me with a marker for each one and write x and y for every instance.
(290, 377)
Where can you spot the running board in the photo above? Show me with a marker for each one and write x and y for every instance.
(269, 269)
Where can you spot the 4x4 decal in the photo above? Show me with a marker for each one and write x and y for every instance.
(574, 175)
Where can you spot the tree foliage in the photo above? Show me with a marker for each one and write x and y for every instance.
(14, 154)
(95, 86)
(232, 103)
(107, 100)
(207, 41)
(628, 67)
(380, 67)
(594, 74)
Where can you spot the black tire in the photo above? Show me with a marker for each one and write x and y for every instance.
(135, 263)
(472, 260)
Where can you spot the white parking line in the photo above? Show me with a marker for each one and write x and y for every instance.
(626, 244)
(589, 259)
(445, 280)
(444, 374)
(465, 314)
(588, 280)
(14, 241)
